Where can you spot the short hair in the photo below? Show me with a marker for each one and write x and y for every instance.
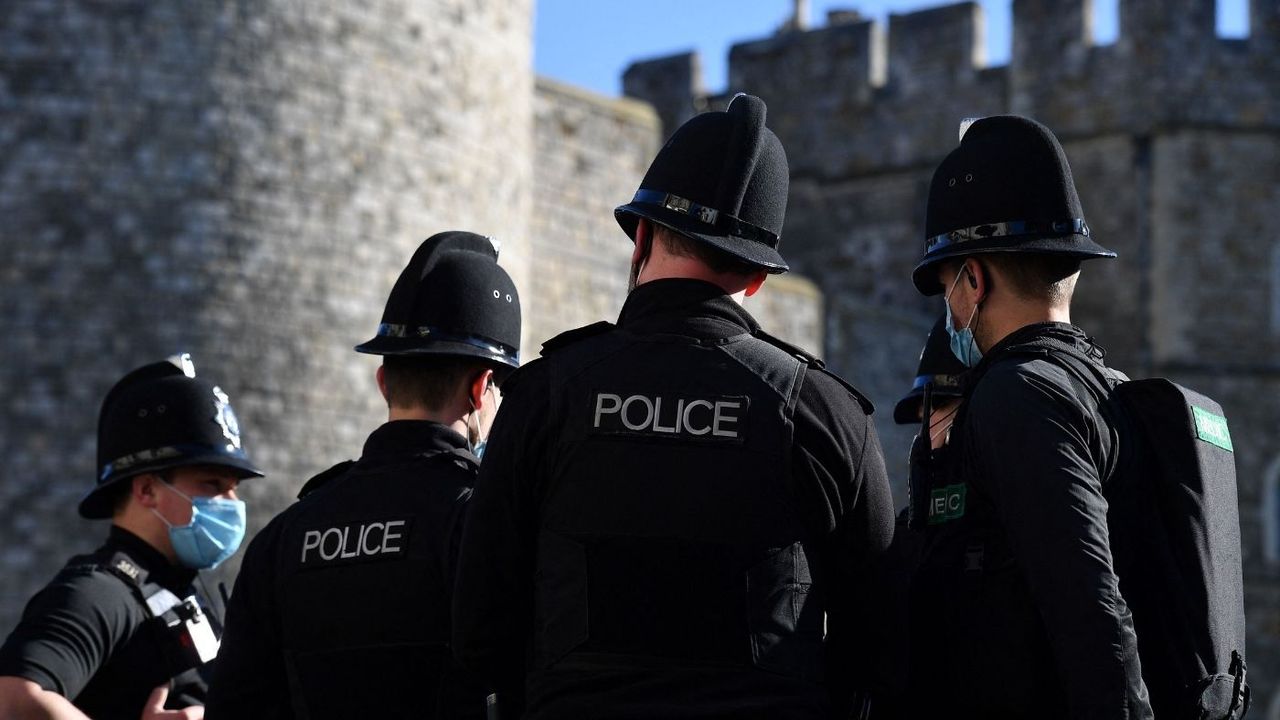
(717, 260)
(429, 381)
(122, 489)
(1045, 277)
(119, 493)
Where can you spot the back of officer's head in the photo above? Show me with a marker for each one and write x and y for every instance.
(715, 260)
(427, 382)
(1035, 278)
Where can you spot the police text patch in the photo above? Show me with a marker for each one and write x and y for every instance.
(680, 417)
(355, 542)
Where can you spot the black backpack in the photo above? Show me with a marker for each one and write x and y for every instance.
(1175, 537)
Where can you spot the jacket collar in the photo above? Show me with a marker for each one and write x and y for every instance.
(411, 437)
(684, 306)
(174, 578)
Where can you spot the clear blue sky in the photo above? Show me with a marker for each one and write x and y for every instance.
(590, 42)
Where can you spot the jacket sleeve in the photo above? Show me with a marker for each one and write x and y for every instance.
(249, 677)
(844, 494)
(493, 591)
(1036, 451)
(69, 629)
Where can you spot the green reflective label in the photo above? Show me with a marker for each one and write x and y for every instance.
(946, 503)
(1212, 428)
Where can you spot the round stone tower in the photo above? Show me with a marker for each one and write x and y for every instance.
(241, 180)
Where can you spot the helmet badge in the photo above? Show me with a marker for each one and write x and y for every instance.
(226, 417)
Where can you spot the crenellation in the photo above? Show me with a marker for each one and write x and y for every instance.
(1051, 44)
(1264, 23)
(673, 85)
(936, 47)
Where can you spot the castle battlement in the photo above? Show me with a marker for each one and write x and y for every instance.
(854, 96)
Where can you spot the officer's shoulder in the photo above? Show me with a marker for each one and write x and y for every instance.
(817, 371)
(795, 350)
(88, 588)
(325, 478)
(577, 335)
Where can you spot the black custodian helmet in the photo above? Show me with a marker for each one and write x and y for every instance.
(158, 417)
(1007, 188)
(452, 299)
(939, 367)
(721, 179)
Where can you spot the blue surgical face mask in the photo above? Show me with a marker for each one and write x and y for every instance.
(963, 345)
(213, 535)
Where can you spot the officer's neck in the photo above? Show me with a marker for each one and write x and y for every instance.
(1002, 315)
(662, 265)
(143, 523)
(454, 417)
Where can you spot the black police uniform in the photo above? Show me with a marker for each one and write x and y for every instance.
(666, 510)
(89, 636)
(1017, 605)
(342, 605)
(343, 599)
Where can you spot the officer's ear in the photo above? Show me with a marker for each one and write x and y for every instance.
(144, 489)
(757, 280)
(644, 242)
(979, 279)
(381, 376)
(479, 384)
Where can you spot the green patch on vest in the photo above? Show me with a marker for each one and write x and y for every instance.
(1212, 428)
(946, 503)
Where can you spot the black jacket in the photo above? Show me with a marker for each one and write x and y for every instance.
(667, 508)
(1016, 609)
(89, 637)
(341, 608)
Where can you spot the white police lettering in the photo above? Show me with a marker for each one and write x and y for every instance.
(347, 542)
(709, 418)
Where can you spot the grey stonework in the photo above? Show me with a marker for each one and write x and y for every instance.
(1174, 139)
(242, 180)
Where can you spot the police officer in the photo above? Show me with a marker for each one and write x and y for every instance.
(1016, 608)
(341, 609)
(121, 632)
(671, 504)
(935, 394)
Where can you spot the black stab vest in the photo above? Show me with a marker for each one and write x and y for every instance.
(364, 593)
(669, 526)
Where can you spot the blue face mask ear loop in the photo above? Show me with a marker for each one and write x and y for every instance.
(963, 343)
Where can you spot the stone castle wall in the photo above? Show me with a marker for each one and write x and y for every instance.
(1174, 139)
(242, 180)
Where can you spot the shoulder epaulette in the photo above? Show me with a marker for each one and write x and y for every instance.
(804, 355)
(570, 337)
(816, 363)
(325, 477)
(867, 406)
